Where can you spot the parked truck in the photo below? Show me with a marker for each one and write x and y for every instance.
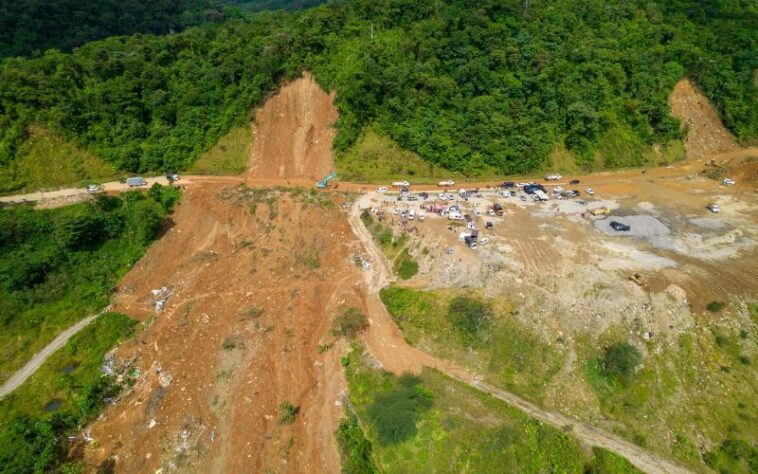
(135, 181)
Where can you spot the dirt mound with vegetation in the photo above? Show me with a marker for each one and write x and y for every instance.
(706, 134)
(293, 132)
(237, 372)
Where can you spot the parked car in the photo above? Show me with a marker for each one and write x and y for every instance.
(728, 182)
(589, 191)
(381, 189)
(620, 227)
(401, 184)
(488, 225)
(483, 240)
(412, 214)
(715, 208)
(553, 177)
(513, 193)
(93, 188)
(508, 184)
(423, 196)
(172, 177)
(411, 197)
(574, 182)
(447, 183)
(421, 216)
(467, 217)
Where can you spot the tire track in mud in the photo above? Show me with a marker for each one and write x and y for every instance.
(386, 345)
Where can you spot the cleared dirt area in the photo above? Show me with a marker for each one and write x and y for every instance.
(293, 133)
(251, 300)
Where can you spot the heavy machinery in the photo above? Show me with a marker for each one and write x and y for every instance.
(325, 182)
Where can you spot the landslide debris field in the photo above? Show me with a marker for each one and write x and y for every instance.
(237, 370)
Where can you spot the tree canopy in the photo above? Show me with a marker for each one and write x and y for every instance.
(466, 85)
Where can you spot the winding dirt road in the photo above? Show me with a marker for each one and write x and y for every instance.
(36, 362)
(386, 345)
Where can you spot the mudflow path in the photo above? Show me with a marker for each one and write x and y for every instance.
(385, 343)
(293, 133)
(253, 299)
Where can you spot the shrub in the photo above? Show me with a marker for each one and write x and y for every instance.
(715, 306)
(394, 414)
(350, 322)
(355, 449)
(619, 361)
(470, 315)
(287, 413)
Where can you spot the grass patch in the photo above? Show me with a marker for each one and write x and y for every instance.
(59, 265)
(45, 161)
(287, 413)
(606, 462)
(449, 427)
(32, 439)
(231, 155)
(451, 324)
(375, 158)
(405, 266)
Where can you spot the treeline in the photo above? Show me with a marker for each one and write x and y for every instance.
(466, 85)
(30, 27)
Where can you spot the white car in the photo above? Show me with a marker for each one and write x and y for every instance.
(381, 189)
(412, 214)
(93, 188)
(715, 208)
(553, 177)
(447, 183)
(483, 240)
(728, 182)
(421, 216)
(400, 184)
(477, 213)
(589, 191)
(558, 189)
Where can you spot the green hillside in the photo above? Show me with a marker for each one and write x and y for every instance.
(467, 86)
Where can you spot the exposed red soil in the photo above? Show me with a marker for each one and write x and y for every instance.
(706, 134)
(293, 133)
(216, 407)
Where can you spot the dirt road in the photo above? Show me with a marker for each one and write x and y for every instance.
(36, 362)
(386, 344)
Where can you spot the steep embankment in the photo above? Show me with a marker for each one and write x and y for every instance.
(706, 134)
(293, 133)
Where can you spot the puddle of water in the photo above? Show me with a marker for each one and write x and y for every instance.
(53, 405)
(70, 367)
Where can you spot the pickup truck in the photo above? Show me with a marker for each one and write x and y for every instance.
(447, 183)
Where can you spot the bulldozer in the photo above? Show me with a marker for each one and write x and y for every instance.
(324, 183)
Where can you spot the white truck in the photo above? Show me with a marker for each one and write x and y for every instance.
(401, 184)
(553, 177)
(135, 181)
(448, 183)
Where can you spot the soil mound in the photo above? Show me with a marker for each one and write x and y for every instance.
(293, 133)
(707, 135)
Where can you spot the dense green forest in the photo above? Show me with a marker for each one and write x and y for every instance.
(33, 26)
(466, 85)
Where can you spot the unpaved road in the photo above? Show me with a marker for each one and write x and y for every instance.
(385, 343)
(36, 362)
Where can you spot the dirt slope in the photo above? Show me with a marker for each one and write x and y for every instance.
(707, 135)
(253, 299)
(293, 133)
